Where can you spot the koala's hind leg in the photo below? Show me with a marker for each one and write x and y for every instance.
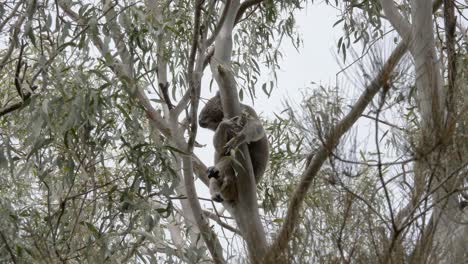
(222, 181)
(222, 175)
(222, 187)
(215, 190)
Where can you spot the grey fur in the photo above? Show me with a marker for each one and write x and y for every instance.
(229, 135)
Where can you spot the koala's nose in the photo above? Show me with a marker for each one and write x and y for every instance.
(202, 123)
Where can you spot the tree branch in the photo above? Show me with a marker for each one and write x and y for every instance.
(221, 223)
(244, 6)
(194, 77)
(17, 105)
(240, 12)
(451, 103)
(10, 251)
(245, 208)
(396, 19)
(286, 231)
(14, 38)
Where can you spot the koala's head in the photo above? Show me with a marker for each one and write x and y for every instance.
(212, 114)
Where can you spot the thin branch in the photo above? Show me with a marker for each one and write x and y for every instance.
(208, 56)
(17, 105)
(379, 159)
(450, 22)
(14, 38)
(10, 251)
(428, 195)
(217, 219)
(19, 65)
(12, 14)
(244, 6)
(218, 27)
(194, 77)
(368, 164)
(165, 92)
(383, 122)
(183, 103)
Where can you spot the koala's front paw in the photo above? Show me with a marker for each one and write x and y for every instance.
(234, 143)
(217, 198)
(213, 172)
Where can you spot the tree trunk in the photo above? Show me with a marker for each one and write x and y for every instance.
(245, 209)
(435, 173)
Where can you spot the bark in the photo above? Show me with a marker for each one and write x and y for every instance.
(431, 99)
(245, 209)
(208, 235)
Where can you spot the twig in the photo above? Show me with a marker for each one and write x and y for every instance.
(10, 251)
(217, 219)
(244, 6)
(17, 105)
(451, 103)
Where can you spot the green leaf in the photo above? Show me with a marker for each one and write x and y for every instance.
(38, 145)
(91, 228)
(3, 160)
(48, 23)
(337, 22)
(174, 149)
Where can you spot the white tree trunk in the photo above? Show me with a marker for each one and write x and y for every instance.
(245, 210)
(434, 163)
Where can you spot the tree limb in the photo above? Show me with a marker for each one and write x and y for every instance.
(17, 105)
(396, 19)
(286, 231)
(451, 103)
(14, 38)
(12, 14)
(194, 77)
(244, 6)
(245, 208)
(217, 219)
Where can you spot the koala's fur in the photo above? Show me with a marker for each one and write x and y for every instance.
(230, 134)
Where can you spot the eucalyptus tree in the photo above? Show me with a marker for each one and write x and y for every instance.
(99, 124)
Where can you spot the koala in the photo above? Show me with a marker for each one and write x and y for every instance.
(229, 135)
